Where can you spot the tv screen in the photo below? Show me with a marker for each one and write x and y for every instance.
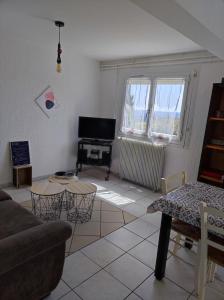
(96, 128)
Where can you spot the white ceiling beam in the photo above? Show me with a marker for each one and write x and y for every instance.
(175, 16)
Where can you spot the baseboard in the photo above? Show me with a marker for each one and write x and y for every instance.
(5, 185)
(9, 184)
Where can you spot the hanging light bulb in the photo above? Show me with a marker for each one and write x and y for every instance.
(58, 68)
(59, 24)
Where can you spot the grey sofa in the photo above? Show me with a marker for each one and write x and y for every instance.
(31, 252)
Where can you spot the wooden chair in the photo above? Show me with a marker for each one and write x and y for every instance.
(211, 246)
(181, 228)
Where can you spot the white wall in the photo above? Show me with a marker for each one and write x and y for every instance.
(26, 68)
(177, 158)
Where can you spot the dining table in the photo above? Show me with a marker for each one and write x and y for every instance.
(183, 204)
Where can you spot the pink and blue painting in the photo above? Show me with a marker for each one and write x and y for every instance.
(46, 101)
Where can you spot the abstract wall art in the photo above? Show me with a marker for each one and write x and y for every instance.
(46, 101)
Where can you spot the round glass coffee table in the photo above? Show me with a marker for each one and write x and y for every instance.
(80, 198)
(47, 200)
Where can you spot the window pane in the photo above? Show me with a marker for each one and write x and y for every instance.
(166, 115)
(136, 106)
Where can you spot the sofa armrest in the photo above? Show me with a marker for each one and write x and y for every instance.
(23, 246)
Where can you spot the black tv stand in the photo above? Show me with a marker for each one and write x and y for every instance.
(96, 157)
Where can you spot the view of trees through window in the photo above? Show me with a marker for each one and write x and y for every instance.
(157, 114)
(136, 106)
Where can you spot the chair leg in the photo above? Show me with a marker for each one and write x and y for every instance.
(177, 243)
(197, 270)
(202, 275)
(211, 271)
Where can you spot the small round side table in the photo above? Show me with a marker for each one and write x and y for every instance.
(80, 198)
(47, 200)
(63, 181)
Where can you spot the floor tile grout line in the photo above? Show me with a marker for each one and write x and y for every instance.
(132, 291)
(134, 294)
(115, 223)
(94, 241)
(138, 234)
(77, 295)
(143, 239)
(87, 235)
(127, 252)
(123, 282)
(189, 293)
(192, 294)
(149, 222)
(103, 269)
(106, 264)
(70, 253)
(141, 261)
(61, 297)
(213, 287)
(178, 285)
(118, 280)
(180, 258)
(142, 283)
(73, 288)
(140, 217)
(66, 283)
(112, 210)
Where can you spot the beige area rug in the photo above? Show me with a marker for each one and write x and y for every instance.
(106, 218)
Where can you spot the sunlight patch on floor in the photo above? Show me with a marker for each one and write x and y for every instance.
(121, 200)
(99, 187)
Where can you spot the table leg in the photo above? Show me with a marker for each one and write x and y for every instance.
(188, 243)
(77, 168)
(164, 238)
(108, 174)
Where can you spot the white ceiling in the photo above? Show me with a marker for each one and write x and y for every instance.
(208, 12)
(199, 20)
(102, 29)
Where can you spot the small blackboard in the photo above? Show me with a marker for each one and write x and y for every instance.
(20, 153)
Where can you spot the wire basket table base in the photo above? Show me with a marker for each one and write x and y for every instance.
(47, 207)
(80, 206)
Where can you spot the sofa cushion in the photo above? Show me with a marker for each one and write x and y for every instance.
(4, 196)
(14, 218)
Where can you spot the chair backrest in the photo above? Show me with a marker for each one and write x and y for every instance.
(172, 182)
(206, 226)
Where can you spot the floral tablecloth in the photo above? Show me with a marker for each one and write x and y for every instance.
(184, 202)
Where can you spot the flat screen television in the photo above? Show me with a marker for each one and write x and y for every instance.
(96, 128)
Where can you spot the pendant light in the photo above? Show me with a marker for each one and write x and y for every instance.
(59, 24)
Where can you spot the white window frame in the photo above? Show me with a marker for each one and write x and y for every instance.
(145, 134)
(179, 140)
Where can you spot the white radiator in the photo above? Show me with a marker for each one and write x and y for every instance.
(141, 162)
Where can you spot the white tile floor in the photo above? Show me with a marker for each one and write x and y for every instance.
(121, 265)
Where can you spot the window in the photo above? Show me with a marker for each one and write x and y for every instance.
(154, 107)
(136, 106)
